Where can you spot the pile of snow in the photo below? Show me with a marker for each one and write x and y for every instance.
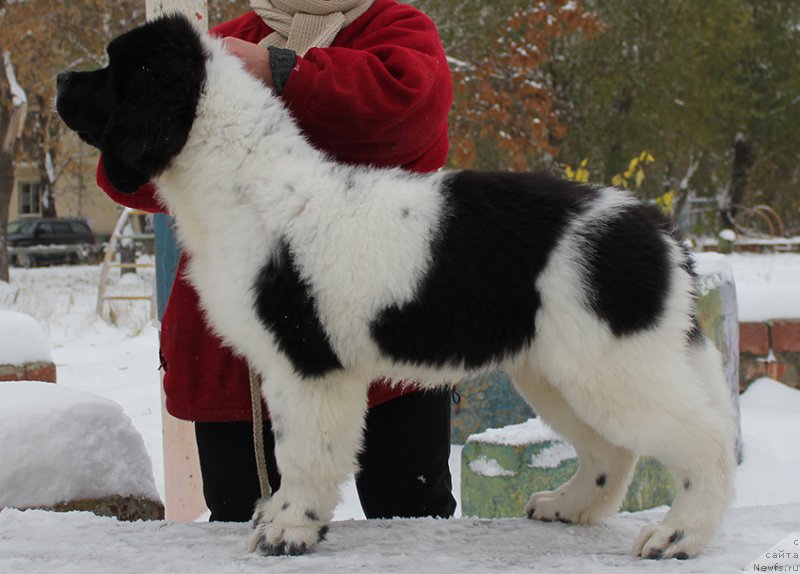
(770, 471)
(22, 340)
(59, 444)
(118, 360)
(767, 394)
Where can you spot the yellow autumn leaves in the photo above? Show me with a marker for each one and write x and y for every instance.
(635, 172)
(632, 178)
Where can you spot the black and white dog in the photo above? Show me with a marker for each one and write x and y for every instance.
(327, 276)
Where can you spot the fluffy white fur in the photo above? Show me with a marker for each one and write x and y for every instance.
(246, 179)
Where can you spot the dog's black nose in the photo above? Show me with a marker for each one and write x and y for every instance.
(63, 79)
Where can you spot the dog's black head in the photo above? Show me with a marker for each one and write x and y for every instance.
(139, 109)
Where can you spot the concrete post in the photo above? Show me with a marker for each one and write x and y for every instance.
(183, 483)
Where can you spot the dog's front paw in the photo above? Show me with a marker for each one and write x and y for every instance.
(536, 498)
(264, 511)
(659, 541)
(570, 506)
(281, 529)
(542, 506)
(545, 506)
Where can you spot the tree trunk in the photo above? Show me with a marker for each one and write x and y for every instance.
(743, 161)
(7, 125)
(6, 186)
(47, 199)
(12, 118)
(46, 162)
(679, 204)
(683, 191)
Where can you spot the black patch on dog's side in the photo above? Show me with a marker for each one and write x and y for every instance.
(478, 301)
(286, 307)
(629, 270)
(139, 109)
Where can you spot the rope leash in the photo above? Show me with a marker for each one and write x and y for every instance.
(258, 434)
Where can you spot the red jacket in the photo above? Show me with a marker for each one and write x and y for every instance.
(378, 95)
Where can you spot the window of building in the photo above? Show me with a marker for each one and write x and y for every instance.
(30, 198)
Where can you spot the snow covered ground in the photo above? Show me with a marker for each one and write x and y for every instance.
(120, 362)
(80, 543)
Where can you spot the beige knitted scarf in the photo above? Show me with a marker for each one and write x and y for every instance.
(303, 24)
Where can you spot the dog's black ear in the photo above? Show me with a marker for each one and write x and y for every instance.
(123, 177)
(157, 72)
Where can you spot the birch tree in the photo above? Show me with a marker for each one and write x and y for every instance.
(12, 120)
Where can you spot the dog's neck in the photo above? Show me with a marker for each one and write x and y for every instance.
(242, 131)
(252, 122)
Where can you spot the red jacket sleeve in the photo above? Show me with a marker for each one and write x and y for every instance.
(380, 95)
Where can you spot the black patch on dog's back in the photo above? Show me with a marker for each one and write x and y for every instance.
(478, 301)
(629, 269)
(286, 307)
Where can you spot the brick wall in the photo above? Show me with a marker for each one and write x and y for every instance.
(769, 349)
(29, 372)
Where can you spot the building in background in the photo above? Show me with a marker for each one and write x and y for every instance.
(75, 192)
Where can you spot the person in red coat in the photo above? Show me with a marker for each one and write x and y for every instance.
(368, 82)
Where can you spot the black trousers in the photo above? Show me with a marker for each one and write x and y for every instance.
(404, 463)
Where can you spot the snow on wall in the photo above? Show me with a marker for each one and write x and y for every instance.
(489, 467)
(22, 340)
(553, 456)
(712, 269)
(531, 431)
(58, 444)
(767, 287)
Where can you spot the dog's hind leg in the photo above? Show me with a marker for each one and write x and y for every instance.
(318, 428)
(598, 487)
(669, 404)
(701, 457)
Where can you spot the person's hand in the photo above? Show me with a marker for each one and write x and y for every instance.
(254, 57)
